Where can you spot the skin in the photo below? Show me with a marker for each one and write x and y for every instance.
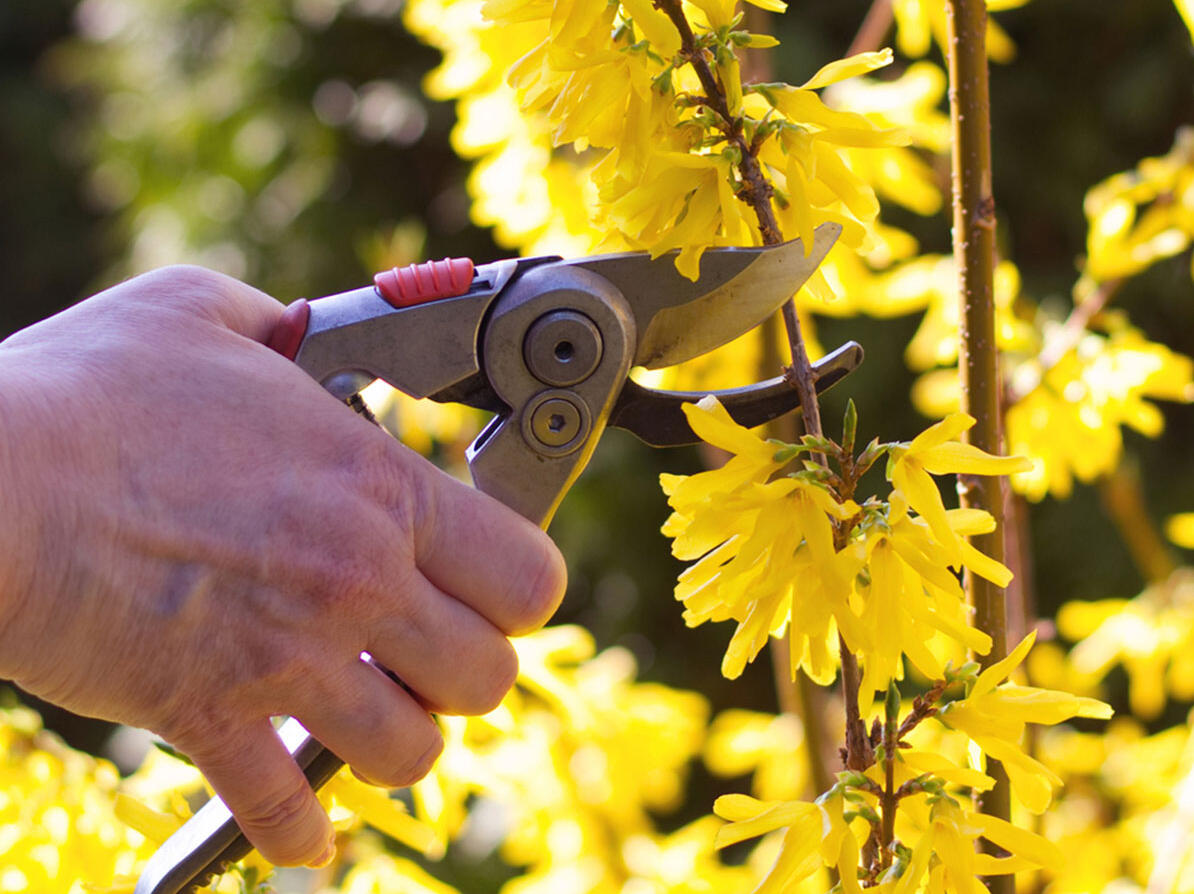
(196, 537)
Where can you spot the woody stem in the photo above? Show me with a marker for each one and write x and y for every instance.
(974, 253)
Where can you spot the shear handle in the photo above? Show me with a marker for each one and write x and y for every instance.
(657, 417)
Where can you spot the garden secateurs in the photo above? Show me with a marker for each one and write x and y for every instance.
(546, 345)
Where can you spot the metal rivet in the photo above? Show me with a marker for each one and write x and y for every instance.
(562, 348)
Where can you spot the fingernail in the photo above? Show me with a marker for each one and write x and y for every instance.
(326, 858)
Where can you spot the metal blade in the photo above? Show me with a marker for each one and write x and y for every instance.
(657, 417)
(738, 288)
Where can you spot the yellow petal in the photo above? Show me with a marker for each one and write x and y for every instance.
(655, 26)
(1180, 528)
(774, 817)
(155, 826)
(841, 69)
(946, 430)
(929, 762)
(1020, 842)
(922, 494)
(378, 809)
(770, 5)
(955, 457)
(712, 423)
(1000, 670)
(984, 566)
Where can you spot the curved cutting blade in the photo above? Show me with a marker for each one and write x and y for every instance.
(678, 319)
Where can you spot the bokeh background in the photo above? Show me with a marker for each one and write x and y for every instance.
(287, 142)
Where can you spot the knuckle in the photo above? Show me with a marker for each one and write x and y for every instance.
(536, 591)
(410, 770)
(199, 731)
(185, 285)
(339, 570)
(499, 677)
(278, 813)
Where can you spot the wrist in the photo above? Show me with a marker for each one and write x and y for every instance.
(19, 513)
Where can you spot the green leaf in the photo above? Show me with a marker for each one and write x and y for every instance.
(766, 89)
(787, 452)
(662, 82)
(868, 813)
(169, 749)
(967, 673)
(824, 445)
(849, 427)
(853, 778)
(867, 458)
(891, 706)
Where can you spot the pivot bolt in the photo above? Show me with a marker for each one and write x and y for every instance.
(562, 348)
(556, 423)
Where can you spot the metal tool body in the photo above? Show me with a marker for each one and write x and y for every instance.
(547, 345)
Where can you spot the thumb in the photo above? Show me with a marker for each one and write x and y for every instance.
(274, 806)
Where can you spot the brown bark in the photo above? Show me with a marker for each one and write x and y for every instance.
(974, 253)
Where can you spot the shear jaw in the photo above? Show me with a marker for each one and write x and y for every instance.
(557, 350)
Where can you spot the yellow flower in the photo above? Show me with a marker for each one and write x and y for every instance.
(800, 853)
(382, 873)
(1069, 419)
(1186, 8)
(1139, 217)
(994, 717)
(907, 597)
(936, 451)
(683, 862)
(1151, 636)
(761, 545)
(373, 805)
(943, 837)
(770, 746)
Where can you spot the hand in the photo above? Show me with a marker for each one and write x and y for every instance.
(196, 537)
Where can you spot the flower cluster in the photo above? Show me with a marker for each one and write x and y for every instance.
(1071, 389)
(796, 552)
(1139, 217)
(930, 842)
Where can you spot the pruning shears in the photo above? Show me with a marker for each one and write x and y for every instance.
(546, 345)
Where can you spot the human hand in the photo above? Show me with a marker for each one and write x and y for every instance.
(196, 537)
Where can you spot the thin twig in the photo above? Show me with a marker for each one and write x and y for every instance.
(873, 29)
(757, 192)
(859, 754)
(890, 798)
(923, 707)
(1124, 502)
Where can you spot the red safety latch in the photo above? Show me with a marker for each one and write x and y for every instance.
(417, 283)
(290, 330)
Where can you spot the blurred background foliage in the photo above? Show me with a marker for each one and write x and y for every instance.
(287, 142)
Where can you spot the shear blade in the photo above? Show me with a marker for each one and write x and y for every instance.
(738, 288)
(657, 417)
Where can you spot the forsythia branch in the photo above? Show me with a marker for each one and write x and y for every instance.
(974, 253)
(756, 190)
